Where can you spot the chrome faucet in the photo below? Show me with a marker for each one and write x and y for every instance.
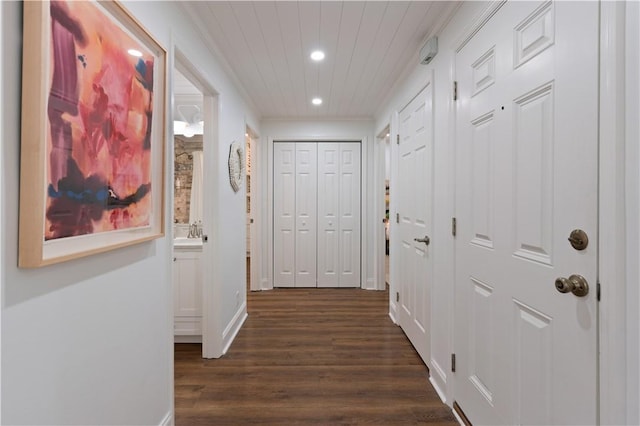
(195, 230)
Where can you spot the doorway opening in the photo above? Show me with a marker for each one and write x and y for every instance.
(195, 127)
(383, 194)
(387, 195)
(252, 243)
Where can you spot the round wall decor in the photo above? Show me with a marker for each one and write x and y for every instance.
(236, 165)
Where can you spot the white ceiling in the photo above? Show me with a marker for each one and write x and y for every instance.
(369, 45)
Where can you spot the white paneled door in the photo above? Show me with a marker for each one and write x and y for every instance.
(316, 206)
(339, 214)
(527, 126)
(284, 214)
(306, 214)
(415, 206)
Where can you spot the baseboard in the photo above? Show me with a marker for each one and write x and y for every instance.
(370, 284)
(187, 338)
(264, 284)
(439, 391)
(167, 420)
(459, 415)
(392, 312)
(231, 331)
(438, 379)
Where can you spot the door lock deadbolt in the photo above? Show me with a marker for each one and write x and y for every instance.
(579, 239)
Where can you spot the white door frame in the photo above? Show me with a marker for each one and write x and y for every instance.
(212, 342)
(618, 206)
(2, 257)
(379, 173)
(379, 195)
(267, 284)
(255, 239)
(632, 198)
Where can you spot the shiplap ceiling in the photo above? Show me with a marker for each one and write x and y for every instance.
(368, 45)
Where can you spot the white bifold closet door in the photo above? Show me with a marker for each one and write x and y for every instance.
(294, 213)
(339, 214)
(316, 210)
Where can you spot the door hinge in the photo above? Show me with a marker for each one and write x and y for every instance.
(397, 296)
(454, 226)
(398, 139)
(598, 291)
(397, 217)
(453, 363)
(455, 90)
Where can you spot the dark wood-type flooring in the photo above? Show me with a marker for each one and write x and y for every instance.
(317, 356)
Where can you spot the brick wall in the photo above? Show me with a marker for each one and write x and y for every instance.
(183, 171)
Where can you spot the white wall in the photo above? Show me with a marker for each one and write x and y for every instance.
(318, 130)
(89, 341)
(442, 287)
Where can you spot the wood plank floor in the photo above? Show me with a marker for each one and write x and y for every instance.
(318, 356)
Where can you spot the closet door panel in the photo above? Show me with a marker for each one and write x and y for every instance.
(328, 215)
(306, 214)
(349, 215)
(284, 214)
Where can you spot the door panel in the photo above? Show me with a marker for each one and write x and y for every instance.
(284, 213)
(415, 197)
(339, 214)
(526, 177)
(349, 214)
(328, 214)
(306, 211)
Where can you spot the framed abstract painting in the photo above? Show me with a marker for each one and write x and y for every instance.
(93, 123)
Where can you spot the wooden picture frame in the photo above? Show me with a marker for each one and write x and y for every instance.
(93, 131)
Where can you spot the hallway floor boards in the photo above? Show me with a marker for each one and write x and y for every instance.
(318, 356)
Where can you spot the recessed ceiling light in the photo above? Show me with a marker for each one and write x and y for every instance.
(134, 52)
(316, 101)
(317, 55)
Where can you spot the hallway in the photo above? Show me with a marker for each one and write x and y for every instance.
(320, 356)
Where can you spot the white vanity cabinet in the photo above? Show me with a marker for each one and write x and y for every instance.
(187, 293)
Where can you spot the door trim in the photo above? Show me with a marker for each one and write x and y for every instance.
(255, 238)
(378, 242)
(618, 364)
(365, 213)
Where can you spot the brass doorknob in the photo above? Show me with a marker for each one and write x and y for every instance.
(575, 284)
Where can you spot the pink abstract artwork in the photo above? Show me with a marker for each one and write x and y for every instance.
(99, 125)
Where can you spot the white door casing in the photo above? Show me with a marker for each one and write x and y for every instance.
(526, 168)
(415, 206)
